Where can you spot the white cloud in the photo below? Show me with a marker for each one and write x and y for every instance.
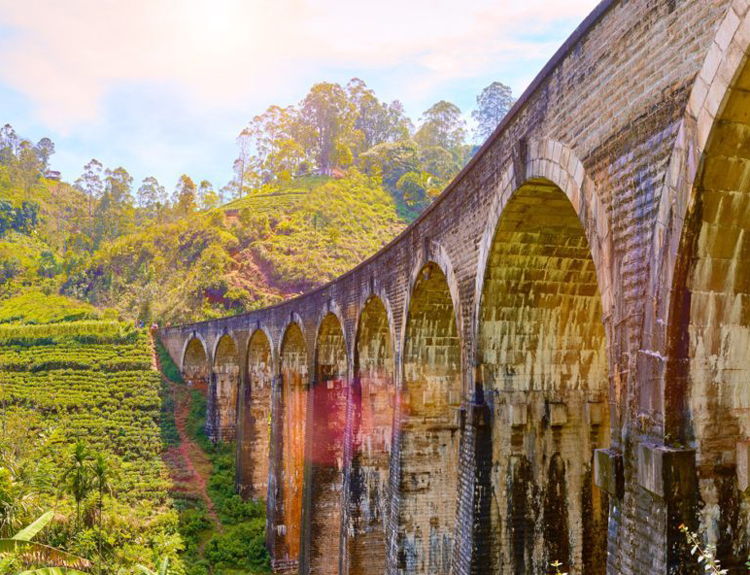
(66, 57)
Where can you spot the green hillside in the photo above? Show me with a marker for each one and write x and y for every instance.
(89, 382)
(250, 253)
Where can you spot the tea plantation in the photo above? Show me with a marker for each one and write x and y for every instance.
(90, 382)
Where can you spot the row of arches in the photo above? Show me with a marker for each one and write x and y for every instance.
(363, 454)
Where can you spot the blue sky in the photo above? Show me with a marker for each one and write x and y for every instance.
(163, 87)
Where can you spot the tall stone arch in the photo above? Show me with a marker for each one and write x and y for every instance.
(325, 448)
(424, 472)
(223, 391)
(370, 424)
(254, 417)
(697, 326)
(289, 427)
(542, 314)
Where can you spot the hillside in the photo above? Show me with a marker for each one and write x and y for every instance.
(250, 253)
(89, 382)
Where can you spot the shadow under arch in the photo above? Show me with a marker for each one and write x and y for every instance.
(429, 434)
(254, 415)
(195, 367)
(223, 391)
(542, 368)
(329, 399)
(372, 398)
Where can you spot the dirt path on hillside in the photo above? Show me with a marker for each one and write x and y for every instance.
(189, 467)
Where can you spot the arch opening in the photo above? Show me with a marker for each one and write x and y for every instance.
(430, 422)
(292, 422)
(221, 407)
(707, 403)
(255, 419)
(372, 395)
(196, 370)
(543, 370)
(329, 424)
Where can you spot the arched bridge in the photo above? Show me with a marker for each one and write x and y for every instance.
(553, 362)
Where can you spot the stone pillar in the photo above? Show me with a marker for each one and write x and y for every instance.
(472, 537)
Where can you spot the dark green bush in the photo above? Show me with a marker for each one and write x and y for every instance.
(241, 547)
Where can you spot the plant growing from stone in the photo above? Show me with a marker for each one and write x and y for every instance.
(706, 553)
(557, 565)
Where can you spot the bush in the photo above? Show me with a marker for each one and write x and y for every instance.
(241, 547)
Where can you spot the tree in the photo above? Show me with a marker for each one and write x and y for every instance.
(29, 165)
(400, 125)
(185, 195)
(77, 476)
(8, 144)
(327, 118)
(91, 184)
(442, 126)
(102, 481)
(44, 149)
(115, 215)
(208, 198)
(493, 104)
(151, 198)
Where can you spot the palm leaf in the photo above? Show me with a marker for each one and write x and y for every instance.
(28, 533)
(30, 552)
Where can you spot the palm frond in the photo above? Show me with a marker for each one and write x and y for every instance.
(28, 533)
(30, 552)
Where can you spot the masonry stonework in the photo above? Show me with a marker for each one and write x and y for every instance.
(553, 361)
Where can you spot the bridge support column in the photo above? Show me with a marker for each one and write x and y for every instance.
(471, 551)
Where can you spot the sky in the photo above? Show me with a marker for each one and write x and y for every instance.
(163, 87)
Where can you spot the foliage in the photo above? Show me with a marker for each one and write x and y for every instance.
(19, 549)
(706, 554)
(242, 544)
(493, 104)
(87, 387)
(168, 366)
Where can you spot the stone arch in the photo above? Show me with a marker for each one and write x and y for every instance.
(330, 390)
(255, 417)
(372, 400)
(221, 406)
(196, 367)
(724, 63)
(292, 424)
(429, 425)
(705, 297)
(557, 163)
(542, 369)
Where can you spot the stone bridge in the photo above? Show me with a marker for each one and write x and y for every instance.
(552, 362)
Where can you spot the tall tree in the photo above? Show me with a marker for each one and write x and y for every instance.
(44, 150)
(493, 104)
(372, 122)
(185, 196)
(442, 126)
(77, 476)
(150, 196)
(91, 184)
(115, 215)
(8, 144)
(28, 166)
(207, 197)
(328, 118)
